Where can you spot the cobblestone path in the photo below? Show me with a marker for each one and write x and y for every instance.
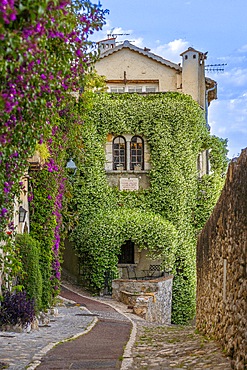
(175, 347)
(163, 347)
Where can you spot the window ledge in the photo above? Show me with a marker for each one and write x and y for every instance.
(126, 171)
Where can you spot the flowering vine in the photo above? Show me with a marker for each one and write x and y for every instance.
(45, 52)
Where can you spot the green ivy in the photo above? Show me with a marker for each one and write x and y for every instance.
(43, 223)
(31, 278)
(210, 185)
(162, 219)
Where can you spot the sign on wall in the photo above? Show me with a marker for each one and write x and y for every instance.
(130, 184)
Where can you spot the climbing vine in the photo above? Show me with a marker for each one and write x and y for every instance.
(45, 51)
(49, 188)
(161, 219)
(210, 185)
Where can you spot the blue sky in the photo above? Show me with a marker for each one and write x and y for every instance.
(217, 26)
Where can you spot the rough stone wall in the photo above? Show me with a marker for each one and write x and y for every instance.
(222, 267)
(152, 299)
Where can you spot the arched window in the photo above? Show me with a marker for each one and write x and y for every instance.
(119, 152)
(136, 153)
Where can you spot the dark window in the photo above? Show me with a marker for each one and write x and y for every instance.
(136, 153)
(127, 253)
(119, 153)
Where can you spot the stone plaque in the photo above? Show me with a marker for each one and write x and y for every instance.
(129, 184)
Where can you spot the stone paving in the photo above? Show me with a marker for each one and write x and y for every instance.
(151, 346)
(156, 347)
(175, 347)
(18, 350)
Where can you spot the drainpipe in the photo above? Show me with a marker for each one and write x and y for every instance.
(206, 103)
(207, 124)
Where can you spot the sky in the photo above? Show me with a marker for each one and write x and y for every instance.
(218, 27)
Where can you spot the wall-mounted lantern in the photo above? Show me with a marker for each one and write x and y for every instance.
(22, 214)
(71, 166)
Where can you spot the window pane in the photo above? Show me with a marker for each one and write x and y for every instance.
(119, 152)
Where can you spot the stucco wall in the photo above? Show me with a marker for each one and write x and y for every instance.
(193, 76)
(138, 67)
(222, 267)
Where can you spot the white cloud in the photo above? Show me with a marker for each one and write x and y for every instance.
(232, 59)
(231, 79)
(228, 119)
(172, 50)
(121, 34)
(236, 76)
(243, 49)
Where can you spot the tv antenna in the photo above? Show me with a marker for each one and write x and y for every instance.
(215, 67)
(112, 34)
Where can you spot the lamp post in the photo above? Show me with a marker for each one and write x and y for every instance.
(22, 214)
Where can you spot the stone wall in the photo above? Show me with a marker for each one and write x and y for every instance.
(150, 299)
(222, 267)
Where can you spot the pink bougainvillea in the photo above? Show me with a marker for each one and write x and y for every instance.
(45, 52)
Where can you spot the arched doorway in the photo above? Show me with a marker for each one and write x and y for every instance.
(127, 255)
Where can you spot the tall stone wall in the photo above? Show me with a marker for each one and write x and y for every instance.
(222, 267)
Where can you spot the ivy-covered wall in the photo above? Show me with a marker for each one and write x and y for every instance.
(162, 219)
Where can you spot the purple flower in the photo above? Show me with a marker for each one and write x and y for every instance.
(4, 211)
(38, 27)
(79, 53)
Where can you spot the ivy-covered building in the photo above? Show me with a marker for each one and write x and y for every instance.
(143, 189)
(128, 68)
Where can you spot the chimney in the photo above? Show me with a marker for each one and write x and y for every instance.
(193, 75)
(107, 44)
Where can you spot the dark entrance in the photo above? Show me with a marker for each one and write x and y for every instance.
(127, 253)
